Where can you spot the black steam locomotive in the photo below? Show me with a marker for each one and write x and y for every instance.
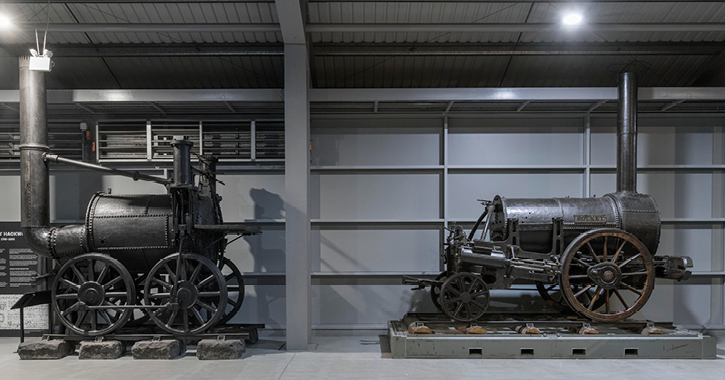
(595, 256)
(136, 257)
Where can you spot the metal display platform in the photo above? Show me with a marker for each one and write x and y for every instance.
(558, 338)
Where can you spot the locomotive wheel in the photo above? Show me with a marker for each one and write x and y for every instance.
(191, 291)
(93, 279)
(614, 263)
(435, 291)
(464, 297)
(140, 316)
(235, 289)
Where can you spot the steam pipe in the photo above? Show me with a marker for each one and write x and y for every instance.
(627, 133)
(135, 175)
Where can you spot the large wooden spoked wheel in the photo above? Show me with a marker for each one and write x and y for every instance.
(464, 297)
(616, 265)
(93, 280)
(191, 291)
(554, 297)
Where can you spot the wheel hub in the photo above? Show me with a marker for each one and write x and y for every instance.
(91, 293)
(466, 297)
(187, 294)
(606, 275)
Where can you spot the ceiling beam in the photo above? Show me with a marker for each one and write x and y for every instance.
(376, 28)
(342, 49)
(515, 28)
(644, 48)
(149, 50)
(519, 94)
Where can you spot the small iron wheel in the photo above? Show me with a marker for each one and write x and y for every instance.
(190, 290)
(235, 289)
(435, 291)
(616, 265)
(464, 297)
(93, 280)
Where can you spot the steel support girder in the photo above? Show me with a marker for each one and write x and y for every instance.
(339, 49)
(521, 94)
(379, 28)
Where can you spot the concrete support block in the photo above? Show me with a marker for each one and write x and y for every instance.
(161, 349)
(210, 349)
(45, 349)
(111, 349)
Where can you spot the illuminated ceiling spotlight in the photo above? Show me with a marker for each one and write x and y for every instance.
(572, 18)
(5, 22)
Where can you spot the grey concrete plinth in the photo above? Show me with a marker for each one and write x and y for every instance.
(45, 350)
(111, 349)
(163, 349)
(210, 349)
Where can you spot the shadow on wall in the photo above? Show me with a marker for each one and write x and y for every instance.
(267, 205)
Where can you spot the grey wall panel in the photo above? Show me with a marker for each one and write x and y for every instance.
(263, 304)
(692, 239)
(684, 303)
(376, 196)
(71, 192)
(464, 189)
(507, 142)
(252, 196)
(383, 250)
(363, 305)
(10, 205)
(678, 194)
(656, 145)
(263, 253)
(375, 146)
(125, 185)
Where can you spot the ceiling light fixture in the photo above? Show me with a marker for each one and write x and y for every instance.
(572, 19)
(5, 22)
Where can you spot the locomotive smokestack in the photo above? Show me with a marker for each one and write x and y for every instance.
(34, 185)
(627, 133)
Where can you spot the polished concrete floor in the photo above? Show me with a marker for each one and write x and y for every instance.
(346, 357)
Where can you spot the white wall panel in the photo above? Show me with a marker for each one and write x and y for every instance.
(251, 196)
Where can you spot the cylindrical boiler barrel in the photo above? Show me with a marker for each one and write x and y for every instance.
(135, 229)
(634, 213)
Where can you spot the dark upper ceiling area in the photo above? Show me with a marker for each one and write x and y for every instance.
(137, 44)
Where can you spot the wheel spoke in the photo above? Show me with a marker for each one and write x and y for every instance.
(591, 250)
(69, 309)
(73, 285)
(451, 300)
(104, 271)
(210, 294)
(606, 302)
(468, 311)
(91, 270)
(550, 288)
(479, 305)
(630, 259)
(172, 318)
(594, 298)
(453, 290)
(160, 295)
(578, 276)
(185, 317)
(117, 294)
(577, 294)
(205, 281)
(94, 320)
(197, 315)
(581, 263)
(458, 310)
(81, 318)
(107, 285)
(634, 274)
(231, 302)
(631, 288)
(78, 273)
(604, 251)
(162, 283)
(206, 306)
(105, 317)
(171, 273)
(619, 250)
(621, 299)
(195, 273)
(68, 296)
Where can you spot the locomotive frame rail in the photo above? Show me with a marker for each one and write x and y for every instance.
(558, 339)
(247, 332)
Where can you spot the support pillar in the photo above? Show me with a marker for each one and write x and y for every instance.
(296, 182)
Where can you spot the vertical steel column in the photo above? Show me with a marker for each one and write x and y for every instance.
(296, 200)
(627, 133)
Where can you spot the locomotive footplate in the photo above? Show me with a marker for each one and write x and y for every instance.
(543, 336)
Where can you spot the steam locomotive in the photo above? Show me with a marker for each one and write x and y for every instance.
(136, 257)
(595, 256)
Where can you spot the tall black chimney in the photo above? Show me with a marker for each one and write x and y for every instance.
(627, 134)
